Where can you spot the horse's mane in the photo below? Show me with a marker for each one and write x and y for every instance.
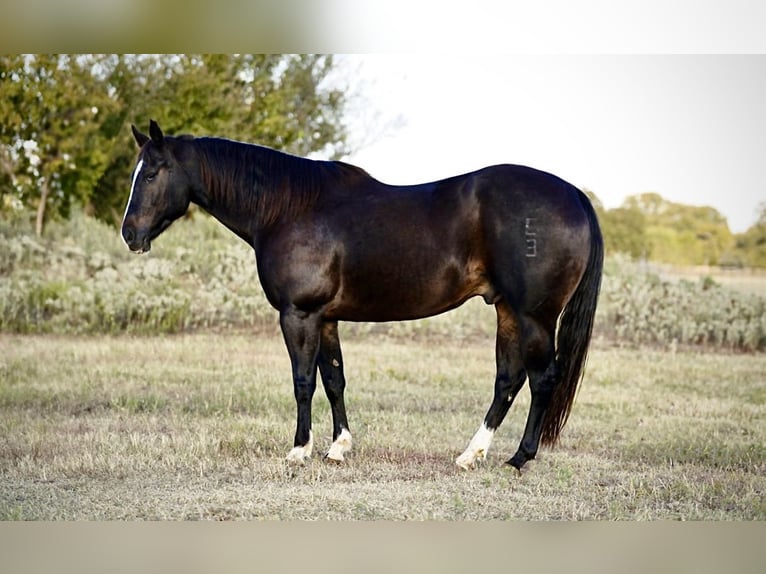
(263, 182)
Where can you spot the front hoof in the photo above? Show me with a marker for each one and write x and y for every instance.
(339, 447)
(300, 454)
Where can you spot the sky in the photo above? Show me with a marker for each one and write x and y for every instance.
(691, 127)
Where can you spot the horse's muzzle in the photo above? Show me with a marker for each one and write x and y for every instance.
(136, 242)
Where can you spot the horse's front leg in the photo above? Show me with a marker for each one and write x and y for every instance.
(302, 335)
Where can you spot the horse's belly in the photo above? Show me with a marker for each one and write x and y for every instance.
(407, 292)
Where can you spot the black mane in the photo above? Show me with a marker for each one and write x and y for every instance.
(258, 180)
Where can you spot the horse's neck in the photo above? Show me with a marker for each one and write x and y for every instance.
(214, 187)
(248, 188)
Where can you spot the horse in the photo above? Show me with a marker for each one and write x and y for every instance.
(334, 244)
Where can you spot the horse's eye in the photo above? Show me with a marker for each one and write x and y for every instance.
(150, 176)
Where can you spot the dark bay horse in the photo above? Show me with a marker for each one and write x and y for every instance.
(333, 244)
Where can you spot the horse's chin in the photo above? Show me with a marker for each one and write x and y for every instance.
(145, 247)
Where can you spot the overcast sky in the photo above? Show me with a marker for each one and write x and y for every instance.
(691, 128)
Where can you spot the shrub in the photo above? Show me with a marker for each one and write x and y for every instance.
(639, 307)
(82, 280)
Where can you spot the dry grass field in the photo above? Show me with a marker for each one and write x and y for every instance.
(197, 426)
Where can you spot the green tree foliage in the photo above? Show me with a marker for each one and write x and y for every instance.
(649, 226)
(683, 234)
(50, 127)
(750, 247)
(64, 120)
(624, 230)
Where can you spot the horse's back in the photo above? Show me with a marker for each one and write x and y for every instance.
(403, 252)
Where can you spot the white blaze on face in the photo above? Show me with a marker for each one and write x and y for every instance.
(477, 448)
(136, 173)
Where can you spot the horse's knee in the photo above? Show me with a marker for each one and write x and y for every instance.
(304, 390)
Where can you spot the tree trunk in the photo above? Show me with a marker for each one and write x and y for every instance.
(40, 219)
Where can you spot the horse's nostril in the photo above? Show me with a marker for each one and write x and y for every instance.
(129, 234)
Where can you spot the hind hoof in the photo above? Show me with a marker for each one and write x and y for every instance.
(518, 460)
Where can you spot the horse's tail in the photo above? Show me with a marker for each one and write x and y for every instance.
(574, 333)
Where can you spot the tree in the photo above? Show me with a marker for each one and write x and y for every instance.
(64, 120)
(50, 129)
(281, 101)
(624, 230)
(751, 245)
(682, 234)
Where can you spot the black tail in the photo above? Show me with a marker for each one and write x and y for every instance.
(574, 334)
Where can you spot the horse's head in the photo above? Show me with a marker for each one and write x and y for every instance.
(159, 191)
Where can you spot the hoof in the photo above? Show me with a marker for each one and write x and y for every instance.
(300, 454)
(477, 448)
(339, 447)
(297, 456)
(519, 459)
(468, 460)
(516, 468)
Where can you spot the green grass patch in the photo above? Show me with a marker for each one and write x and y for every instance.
(197, 427)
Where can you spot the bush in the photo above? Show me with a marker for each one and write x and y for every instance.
(639, 307)
(81, 279)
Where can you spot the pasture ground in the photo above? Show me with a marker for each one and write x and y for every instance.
(197, 426)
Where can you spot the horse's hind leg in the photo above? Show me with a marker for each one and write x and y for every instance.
(330, 363)
(539, 358)
(509, 380)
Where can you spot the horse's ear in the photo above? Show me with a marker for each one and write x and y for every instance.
(141, 139)
(156, 133)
